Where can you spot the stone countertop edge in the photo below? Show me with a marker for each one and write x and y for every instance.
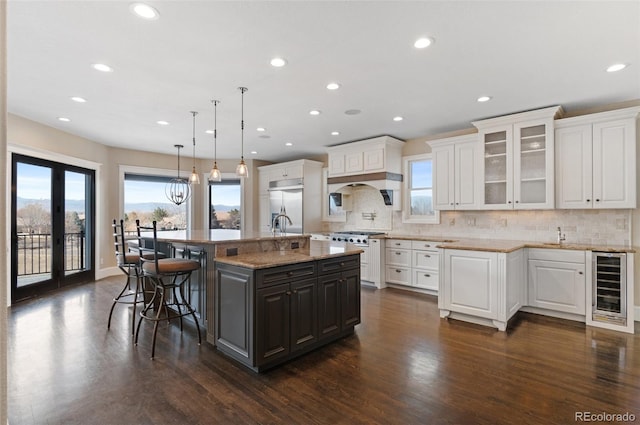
(501, 245)
(262, 260)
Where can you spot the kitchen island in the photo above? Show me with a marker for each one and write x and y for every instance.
(204, 246)
(276, 305)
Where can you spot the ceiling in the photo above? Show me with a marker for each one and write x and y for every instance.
(525, 55)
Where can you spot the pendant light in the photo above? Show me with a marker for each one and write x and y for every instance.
(194, 178)
(215, 175)
(178, 189)
(241, 169)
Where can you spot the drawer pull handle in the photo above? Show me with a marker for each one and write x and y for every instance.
(288, 292)
(398, 244)
(398, 253)
(427, 275)
(289, 273)
(427, 245)
(427, 256)
(398, 271)
(580, 273)
(341, 264)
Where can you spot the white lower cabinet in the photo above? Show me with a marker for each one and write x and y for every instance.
(557, 280)
(413, 263)
(375, 270)
(482, 287)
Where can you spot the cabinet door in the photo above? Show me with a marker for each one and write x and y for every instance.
(496, 167)
(471, 283)
(573, 167)
(364, 263)
(349, 298)
(272, 323)
(336, 164)
(328, 305)
(614, 174)
(398, 257)
(443, 178)
(557, 285)
(533, 166)
(425, 260)
(425, 279)
(398, 275)
(374, 160)
(466, 192)
(353, 163)
(304, 314)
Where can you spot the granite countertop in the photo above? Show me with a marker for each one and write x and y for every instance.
(317, 250)
(501, 245)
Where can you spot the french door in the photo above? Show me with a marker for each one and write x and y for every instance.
(52, 226)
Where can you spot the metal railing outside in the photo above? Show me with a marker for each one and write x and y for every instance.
(34, 251)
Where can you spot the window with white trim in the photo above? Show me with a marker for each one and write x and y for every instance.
(418, 189)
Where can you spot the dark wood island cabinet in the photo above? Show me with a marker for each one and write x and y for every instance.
(268, 315)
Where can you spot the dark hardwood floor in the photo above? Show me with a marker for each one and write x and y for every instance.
(404, 365)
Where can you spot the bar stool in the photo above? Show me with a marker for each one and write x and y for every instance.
(167, 276)
(129, 263)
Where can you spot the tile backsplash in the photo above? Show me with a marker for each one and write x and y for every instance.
(601, 227)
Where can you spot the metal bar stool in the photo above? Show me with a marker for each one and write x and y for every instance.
(129, 263)
(168, 276)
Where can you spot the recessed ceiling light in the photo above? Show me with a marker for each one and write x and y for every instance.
(333, 86)
(398, 118)
(264, 136)
(288, 144)
(423, 42)
(102, 67)
(162, 122)
(144, 11)
(78, 99)
(209, 131)
(484, 98)
(352, 111)
(64, 119)
(254, 152)
(617, 67)
(261, 129)
(335, 133)
(278, 62)
(314, 112)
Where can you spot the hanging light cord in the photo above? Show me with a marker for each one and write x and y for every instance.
(242, 90)
(194, 138)
(215, 131)
(178, 146)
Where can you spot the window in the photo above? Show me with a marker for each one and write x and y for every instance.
(225, 202)
(145, 199)
(418, 188)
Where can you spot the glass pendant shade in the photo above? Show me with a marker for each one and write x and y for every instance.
(178, 190)
(215, 175)
(242, 170)
(194, 178)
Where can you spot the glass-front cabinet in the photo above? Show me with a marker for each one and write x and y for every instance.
(516, 163)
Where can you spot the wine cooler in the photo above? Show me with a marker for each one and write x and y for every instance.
(610, 288)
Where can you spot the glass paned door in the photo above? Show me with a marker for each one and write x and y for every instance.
(52, 217)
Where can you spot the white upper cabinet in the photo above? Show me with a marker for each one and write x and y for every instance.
(380, 154)
(516, 160)
(596, 160)
(455, 172)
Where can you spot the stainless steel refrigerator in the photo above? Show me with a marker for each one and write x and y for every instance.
(285, 197)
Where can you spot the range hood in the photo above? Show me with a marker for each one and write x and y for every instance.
(385, 183)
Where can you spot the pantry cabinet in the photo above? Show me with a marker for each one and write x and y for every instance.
(455, 173)
(516, 161)
(596, 160)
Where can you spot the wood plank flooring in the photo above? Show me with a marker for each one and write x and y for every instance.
(404, 365)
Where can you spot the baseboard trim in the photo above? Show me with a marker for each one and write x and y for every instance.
(109, 271)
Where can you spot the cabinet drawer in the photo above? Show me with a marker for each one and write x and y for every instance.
(398, 243)
(398, 257)
(563, 255)
(426, 260)
(425, 279)
(399, 275)
(425, 245)
(337, 264)
(276, 275)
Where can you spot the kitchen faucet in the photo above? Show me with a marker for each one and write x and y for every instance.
(282, 228)
(561, 237)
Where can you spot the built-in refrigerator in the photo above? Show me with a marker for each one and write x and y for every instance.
(285, 197)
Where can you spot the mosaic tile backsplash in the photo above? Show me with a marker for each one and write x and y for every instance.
(601, 227)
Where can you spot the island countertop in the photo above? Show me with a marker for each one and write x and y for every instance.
(208, 236)
(317, 250)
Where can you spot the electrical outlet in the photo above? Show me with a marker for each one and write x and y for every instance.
(471, 221)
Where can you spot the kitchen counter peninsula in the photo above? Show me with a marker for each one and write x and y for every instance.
(273, 306)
